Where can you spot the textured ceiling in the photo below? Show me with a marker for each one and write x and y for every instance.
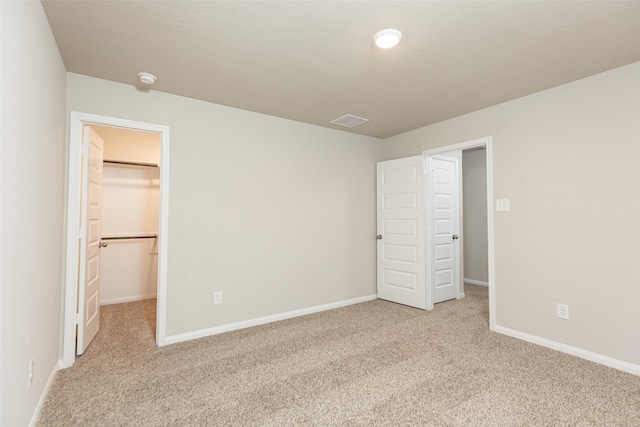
(314, 61)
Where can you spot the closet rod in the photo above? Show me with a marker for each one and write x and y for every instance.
(129, 237)
(123, 162)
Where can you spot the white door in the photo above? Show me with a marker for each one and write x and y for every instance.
(401, 239)
(90, 231)
(444, 243)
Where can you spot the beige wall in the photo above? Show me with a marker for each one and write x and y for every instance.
(124, 144)
(568, 159)
(33, 85)
(276, 214)
(474, 179)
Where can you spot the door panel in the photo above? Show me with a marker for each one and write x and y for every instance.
(89, 287)
(401, 248)
(400, 253)
(400, 201)
(400, 227)
(444, 243)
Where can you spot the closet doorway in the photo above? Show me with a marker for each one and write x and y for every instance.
(130, 211)
(478, 156)
(117, 223)
(406, 211)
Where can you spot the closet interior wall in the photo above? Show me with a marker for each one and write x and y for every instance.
(476, 243)
(130, 207)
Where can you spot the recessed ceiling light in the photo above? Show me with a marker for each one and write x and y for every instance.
(147, 78)
(387, 38)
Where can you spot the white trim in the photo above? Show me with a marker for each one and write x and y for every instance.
(574, 351)
(77, 121)
(36, 414)
(132, 298)
(476, 282)
(491, 236)
(201, 333)
(487, 143)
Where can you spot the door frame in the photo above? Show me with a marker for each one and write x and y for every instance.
(487, 143)
(77, 122)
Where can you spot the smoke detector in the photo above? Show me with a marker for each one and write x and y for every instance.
(146, 78)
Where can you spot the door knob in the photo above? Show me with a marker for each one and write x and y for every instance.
(454, 237)
(103, 245)
(379, 237)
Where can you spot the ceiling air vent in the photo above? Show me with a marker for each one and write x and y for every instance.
(349, 121)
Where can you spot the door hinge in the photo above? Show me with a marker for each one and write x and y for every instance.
(78, 318)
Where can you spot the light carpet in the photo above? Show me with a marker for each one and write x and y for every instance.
(370, 364)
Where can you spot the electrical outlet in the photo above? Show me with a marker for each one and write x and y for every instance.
(217, 297)
(31, 363)
(503, 205)
(563, 311)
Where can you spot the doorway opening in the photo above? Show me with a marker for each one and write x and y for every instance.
(130, 210)
(474, 228)
(131, 190)
(474, 196)
(414, 215)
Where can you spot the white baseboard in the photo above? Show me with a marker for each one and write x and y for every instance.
(45, 393)
(201, 333)
(574, 351)
(476, 282)
(127, 299)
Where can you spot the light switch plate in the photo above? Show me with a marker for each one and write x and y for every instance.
(503, 205)
(562, 311)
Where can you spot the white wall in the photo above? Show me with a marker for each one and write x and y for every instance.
(32, 187)
(474, 178)
(276, 214)
(568, 159)
(130, 200)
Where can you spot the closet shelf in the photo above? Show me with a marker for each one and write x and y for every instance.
(127, 163)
